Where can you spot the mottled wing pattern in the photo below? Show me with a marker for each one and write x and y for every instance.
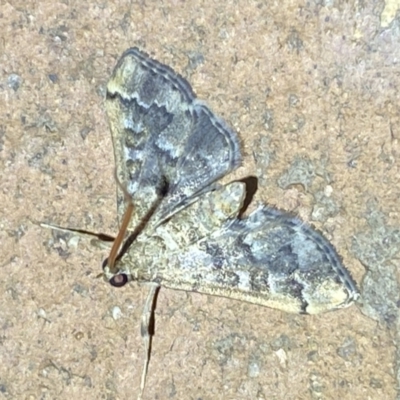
(202, 218)
(270, 258)
(169, 147)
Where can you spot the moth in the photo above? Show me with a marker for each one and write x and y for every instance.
(181, 228)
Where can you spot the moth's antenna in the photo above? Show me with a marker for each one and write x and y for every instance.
(99, 239)
(124, 226)
(162, 192)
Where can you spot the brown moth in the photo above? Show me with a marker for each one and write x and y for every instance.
(183, 230)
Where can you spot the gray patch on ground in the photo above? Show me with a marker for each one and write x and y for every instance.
(14, 82)
(378, 249)
(325, 207)
(262, 156)
(300, 172)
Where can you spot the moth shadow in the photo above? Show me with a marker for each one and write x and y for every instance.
(251, 183)
(152, 322)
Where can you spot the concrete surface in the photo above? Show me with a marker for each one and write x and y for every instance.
(313, 90)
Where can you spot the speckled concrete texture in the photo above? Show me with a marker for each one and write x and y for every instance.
(312, 88)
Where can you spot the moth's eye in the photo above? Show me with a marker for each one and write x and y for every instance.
(119, 280)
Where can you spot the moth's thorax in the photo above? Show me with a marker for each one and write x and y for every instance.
(139, 262)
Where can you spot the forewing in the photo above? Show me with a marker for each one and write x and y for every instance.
(168, 146)
(270, 258)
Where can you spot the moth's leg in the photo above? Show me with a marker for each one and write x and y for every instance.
(147, 331)
(99, 240)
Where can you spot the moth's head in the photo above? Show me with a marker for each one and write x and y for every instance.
(116, 276)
